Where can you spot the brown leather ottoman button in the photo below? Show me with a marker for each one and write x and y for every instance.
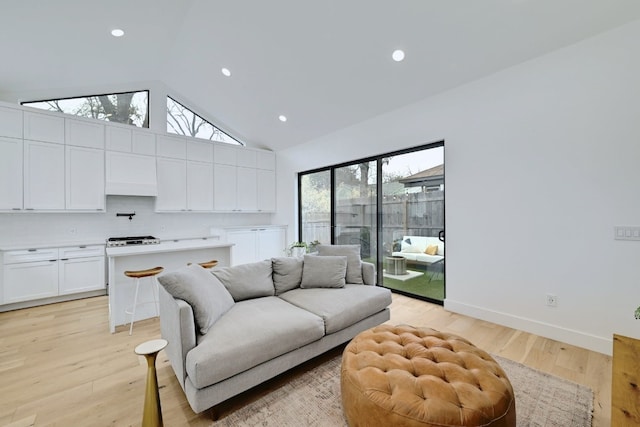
(407, 376)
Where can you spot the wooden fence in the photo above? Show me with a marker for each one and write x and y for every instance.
(417, 214)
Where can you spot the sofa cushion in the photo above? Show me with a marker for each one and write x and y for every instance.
(252, 332)
(323, 271)
(343, 307)
(246, 281)
(352, 252)
(205, 293)
(287, 273)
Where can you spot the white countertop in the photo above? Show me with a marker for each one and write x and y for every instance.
(168, 246)
(57, 244)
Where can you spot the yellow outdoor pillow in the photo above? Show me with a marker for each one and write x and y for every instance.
(431, 250)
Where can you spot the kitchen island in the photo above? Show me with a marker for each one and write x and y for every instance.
(170, 254)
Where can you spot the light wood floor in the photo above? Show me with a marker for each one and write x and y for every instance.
(60, 366)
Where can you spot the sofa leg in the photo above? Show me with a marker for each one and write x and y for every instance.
(214, 414)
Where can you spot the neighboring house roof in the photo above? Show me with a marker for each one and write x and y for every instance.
(428, 177)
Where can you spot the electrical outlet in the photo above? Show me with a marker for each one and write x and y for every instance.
(73, 230)
(552, 300)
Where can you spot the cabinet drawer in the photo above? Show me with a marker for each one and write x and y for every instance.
(30, 255)
(81, 251)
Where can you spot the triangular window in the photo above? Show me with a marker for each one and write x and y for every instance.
(182, 121)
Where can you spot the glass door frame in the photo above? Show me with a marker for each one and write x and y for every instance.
(379, 202)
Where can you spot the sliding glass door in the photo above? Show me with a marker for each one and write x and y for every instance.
(392, 206)
(411, 223)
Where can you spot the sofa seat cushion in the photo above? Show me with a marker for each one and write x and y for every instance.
(250, 333)
(341, 307)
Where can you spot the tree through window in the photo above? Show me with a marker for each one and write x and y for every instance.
(130, 108)
(182, 121)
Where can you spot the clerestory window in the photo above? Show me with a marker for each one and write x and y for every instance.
(130, 108)
(182, 121)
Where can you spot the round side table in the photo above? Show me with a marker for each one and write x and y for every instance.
(152, 415)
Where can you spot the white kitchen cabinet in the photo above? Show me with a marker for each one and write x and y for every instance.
(247, 189)
(130, 174)
(184, 186)
(11, 122)
(81, 269)
(118, 139)
(266, 190)
(143, 143)
(171, 146)
(130, 140)
(11, 174)
(33, 274)
(84, 179)
(256, 243)
(225, 154)
(172, 185)
(30, 274)
(246, 157)
(84, 133)
(200, 151)
(224, 188)
(44, 176)
(199, 186)
(43, 127)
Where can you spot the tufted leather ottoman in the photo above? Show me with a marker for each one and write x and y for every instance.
(407, 376)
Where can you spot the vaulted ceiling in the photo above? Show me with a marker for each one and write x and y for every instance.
(324, 64)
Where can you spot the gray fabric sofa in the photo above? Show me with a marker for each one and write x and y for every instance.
(233, 328)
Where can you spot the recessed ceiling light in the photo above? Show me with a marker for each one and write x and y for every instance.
(226, 72)
(117, 32)
(282, 118)
(398, 55)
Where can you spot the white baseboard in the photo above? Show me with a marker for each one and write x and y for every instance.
(547, 330)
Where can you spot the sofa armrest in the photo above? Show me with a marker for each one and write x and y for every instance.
(368, 273)
(177, 326)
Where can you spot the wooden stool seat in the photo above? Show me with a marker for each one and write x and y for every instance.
(136, 274)
(208, 264)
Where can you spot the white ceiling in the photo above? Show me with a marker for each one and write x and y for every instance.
(324, 64)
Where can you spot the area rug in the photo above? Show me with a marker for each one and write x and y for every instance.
(313, 399)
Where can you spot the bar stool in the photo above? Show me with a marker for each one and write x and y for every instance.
(208, 264)
(141, 274)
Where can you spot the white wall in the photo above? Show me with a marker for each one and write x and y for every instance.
(17, 229)
(542, 160)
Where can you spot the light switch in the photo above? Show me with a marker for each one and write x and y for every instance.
(626, 233)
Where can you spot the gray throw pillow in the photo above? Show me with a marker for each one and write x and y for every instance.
(205, 293)
(287, 273)
(352, 252)
(247, 281)
(324, 271)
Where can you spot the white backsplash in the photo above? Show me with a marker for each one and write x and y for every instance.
(17, 229)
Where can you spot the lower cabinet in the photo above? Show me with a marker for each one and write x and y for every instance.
(256, 243)
(33, 274)
(30, 281)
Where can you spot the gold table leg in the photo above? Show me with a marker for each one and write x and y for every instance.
(152, 415)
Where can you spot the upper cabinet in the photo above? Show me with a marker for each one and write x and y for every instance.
(84, 133)
(44, 176)
(10, 122)
(10, 174)
(43, 127)
(84, 179)
(55, 162)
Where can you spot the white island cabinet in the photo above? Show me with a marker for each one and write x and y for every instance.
(169, 254)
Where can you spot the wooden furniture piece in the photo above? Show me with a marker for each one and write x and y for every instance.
(625, 396)
(208, 264)
(141, 274)
(152, 413)
(402, 375)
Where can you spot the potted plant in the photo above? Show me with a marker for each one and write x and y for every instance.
(297, 249)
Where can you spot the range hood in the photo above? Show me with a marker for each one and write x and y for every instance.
(130, 174)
